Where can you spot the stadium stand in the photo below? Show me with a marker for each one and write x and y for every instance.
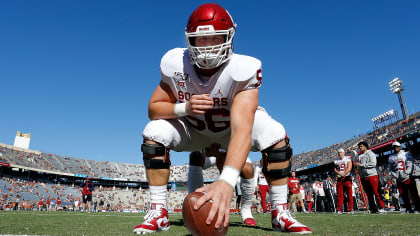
(33, 176)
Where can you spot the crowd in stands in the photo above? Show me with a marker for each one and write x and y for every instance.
(19, 194)
(92, 168)
(398, 129)
(136, 172)
(23, 194)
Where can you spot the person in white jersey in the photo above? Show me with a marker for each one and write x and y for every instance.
(208, 94)
(320, 200)
(342, 169)
(401, 165)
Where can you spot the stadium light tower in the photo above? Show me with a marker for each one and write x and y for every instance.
(397, 87)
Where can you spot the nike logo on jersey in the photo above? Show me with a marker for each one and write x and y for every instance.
(219, 92)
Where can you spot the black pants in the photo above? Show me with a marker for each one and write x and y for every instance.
(329, 201)
(320, 203)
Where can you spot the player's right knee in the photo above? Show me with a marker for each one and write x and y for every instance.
(197, 159)
(155, 156)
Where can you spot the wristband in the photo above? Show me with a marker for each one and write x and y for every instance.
(229, 175)
(181, 109)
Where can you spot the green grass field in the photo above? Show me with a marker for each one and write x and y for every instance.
(76, 223)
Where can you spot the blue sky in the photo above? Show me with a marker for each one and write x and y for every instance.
(78, 75)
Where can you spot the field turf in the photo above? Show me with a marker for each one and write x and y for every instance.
(76, 223)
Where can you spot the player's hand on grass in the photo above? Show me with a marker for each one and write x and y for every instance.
(199, 104)
(221, 194)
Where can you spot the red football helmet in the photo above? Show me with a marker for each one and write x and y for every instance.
(210, 19)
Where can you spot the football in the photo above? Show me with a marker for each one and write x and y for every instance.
(195, 220)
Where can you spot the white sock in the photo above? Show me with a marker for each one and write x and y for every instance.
(278, 194)
(247, 189)
(195, 178)
(158, 194)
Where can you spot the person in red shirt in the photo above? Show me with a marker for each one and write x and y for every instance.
(40, 204)
(87, 189)
(48, 203)
(294, 189)
(58, 204)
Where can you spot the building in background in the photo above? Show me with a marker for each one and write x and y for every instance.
(22, 140)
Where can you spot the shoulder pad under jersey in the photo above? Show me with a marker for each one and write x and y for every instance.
(172, 61)
(243, 67)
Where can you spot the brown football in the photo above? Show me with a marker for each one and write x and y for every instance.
(195, 220)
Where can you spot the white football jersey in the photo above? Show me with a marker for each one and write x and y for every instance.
(320, 188)
(260, 178)
(342, 164)
(238, 74)
(398, 161)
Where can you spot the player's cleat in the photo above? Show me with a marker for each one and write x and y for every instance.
(155, 220)
(350, 212)
(382, 211)
(250, 222)
(247, 217)
(283, 221)
(339, 212)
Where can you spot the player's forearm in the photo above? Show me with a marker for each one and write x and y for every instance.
(162, 110)
(238, 149)
(349, 167)
(162, 103)
(242, 115)
(409, 167)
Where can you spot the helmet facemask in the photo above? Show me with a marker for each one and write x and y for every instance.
(210, 57)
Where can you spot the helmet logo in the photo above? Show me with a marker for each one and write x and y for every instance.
(205, 28)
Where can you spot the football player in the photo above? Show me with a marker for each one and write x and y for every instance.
(342, 169)
(401, 165)
(208, 94)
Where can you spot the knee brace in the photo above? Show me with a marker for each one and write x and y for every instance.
(150, 150)
(277, 155)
